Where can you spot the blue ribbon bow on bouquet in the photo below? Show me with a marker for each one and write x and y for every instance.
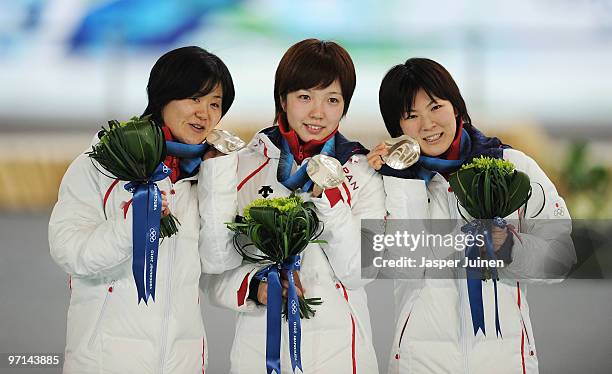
(274, 314)
(147, 206)
(474, 275)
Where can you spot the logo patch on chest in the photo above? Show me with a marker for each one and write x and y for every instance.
(265, 191)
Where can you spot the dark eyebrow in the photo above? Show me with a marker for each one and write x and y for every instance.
(431, 102)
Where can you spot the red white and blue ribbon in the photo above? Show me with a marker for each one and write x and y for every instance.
(300, 178)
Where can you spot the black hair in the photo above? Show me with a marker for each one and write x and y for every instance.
(400, 85)
(185, 73)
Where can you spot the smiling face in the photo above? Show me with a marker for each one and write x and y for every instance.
(314, 113)
(431, 122)
(190, 120)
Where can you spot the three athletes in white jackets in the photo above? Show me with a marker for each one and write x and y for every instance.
(90, 235)
(434, 330)
(314, 84)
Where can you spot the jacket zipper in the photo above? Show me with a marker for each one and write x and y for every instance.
(526, 335)
(94, 335)
(399, 344)
(164, 335)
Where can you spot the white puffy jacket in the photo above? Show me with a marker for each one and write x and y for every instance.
(433, 331)
(338, 339)
(108, 331)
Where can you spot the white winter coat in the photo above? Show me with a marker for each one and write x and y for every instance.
(108, 331)
(433, 331)
(338, 339)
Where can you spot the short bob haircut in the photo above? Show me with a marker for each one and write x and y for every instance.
(183, 73)
(313, 63)
(401, 83)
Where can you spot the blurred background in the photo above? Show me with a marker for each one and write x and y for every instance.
(535, 73)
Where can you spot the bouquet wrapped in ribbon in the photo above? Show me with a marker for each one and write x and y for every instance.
(280, 228)
(134, 151)
(488, 189)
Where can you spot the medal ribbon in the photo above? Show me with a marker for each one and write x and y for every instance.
(300, 178)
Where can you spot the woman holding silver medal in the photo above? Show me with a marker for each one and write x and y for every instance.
(420, 101)
(90, 232)
(314, 84)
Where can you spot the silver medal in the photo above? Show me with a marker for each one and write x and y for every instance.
(325, 171)
(404, 152)
(225, 141)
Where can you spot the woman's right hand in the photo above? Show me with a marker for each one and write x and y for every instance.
(165, 208)
(375, 156)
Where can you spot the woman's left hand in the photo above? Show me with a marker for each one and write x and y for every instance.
(499, 236)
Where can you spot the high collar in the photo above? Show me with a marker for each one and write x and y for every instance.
(171, 161)
(454, 151)
(301, 150)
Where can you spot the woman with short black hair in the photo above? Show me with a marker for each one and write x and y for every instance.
(435, 329)
(90, 233)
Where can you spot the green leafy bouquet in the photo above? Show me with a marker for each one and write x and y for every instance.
(280, 228)
(132, 151)
(489, 187)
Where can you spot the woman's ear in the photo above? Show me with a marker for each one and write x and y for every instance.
(456, 112)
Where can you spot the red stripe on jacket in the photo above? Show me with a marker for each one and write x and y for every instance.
(256, 170)
(353, 358)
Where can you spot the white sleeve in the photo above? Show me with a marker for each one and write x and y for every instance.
(343, 231)
(81, 240)
(544, 251)
(406, 198)
(217, 204)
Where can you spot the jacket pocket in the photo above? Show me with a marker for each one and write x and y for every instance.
(96, 330)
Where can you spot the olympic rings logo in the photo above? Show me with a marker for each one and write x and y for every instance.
(152, 235)
(293, 307)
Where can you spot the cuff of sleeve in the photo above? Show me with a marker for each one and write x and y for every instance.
(253, 290)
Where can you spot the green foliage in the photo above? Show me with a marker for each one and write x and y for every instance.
(489, 188)
(279, 228)
(587, 186)
(131, 151)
